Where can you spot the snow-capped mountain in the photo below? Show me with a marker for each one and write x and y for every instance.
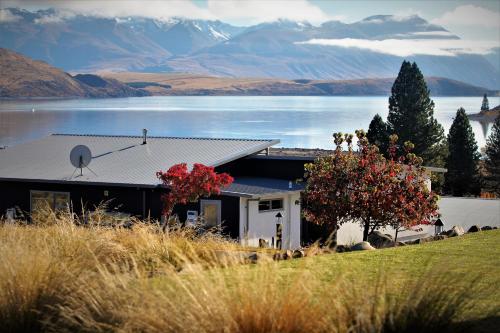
(281, 49)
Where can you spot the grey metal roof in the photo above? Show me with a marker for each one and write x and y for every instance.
(121, 160)
(256, 187)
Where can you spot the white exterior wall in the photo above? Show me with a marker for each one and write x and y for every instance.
(463, 212)
(262, 225)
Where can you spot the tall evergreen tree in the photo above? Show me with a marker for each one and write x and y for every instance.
(411, 113)
(378, 134)
(462, 163)
(492, 162)
(485, 106)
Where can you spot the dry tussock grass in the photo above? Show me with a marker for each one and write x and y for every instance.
(63, 277)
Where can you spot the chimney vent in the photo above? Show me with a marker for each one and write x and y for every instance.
(144, 136)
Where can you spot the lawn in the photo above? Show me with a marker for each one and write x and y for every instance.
(60, 277)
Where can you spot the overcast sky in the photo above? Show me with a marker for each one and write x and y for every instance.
(471, 20)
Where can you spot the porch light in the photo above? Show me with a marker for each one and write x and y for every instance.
(438, 226)
(279, 218)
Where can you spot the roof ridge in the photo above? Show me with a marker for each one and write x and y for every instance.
(160, 137)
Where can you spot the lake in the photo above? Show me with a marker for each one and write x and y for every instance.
(297, 121)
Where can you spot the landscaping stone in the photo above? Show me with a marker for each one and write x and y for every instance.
(380, 240)
(287, 255)
(341, 248)
(298, 254)
(253, 258)
(362, 246)
(440, 237)
(486, 227)
(474, 228)
(277, 256)
(455, 231)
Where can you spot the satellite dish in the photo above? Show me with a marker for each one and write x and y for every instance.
(80, 156)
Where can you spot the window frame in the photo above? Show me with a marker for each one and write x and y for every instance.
(271, 209)
(53, 199)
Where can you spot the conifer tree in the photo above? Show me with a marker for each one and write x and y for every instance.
(378, 134)
(411, 114)
(492, 162)
(462, 163)
(485, 106)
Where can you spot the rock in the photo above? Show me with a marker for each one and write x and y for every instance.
(287, 255)
(474, 228)
(380, 240)
(253, 258)
(455, 231)
(277, 256)
(400, 244)
(298, 254)
(341, 248)
(362, 246)
(486, 227)
(440, 237)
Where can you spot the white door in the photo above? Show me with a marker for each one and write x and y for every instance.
(211, 212)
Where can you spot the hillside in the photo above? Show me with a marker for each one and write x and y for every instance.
(24, 77)
(280, 49)
(489, 115)
(189, 84)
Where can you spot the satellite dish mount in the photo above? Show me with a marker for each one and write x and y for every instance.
(80, 157)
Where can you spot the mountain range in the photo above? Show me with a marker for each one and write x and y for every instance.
(280, 49)
(23, 77)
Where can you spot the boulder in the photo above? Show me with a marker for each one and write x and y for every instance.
(474, 228)
(455, 231)
(486, 227)
(440, 237)
(362, 246)
(298, 254)
(253, 258)
(287, 254)
(380, 240)
(278, 256)
(341, 248)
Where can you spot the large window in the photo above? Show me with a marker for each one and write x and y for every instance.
(272, 204)
(44, 200)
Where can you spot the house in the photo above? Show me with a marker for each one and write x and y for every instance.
(123, 170)
(261, 205)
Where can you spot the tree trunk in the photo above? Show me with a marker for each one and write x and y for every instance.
(396, 237)
(366, 229)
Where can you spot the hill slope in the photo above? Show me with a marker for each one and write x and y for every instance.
(25, 77)
(195, 85)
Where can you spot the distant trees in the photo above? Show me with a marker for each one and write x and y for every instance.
(492, 161)
(367, 187)
(485, 106)
(378, 134)
(462, 163)
(411, 114)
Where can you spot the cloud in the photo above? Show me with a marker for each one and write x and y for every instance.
(7, 16)
(249, 11)
(113, 8)
(408, 47)
(470, 15)
(257, 11)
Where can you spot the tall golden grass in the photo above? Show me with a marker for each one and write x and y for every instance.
(62, 277)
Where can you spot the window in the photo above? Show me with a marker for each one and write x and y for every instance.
(43, 200)
(267, 205)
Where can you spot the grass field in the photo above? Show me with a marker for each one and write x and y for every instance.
(65, 278)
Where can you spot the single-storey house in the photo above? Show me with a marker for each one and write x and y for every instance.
(123, 170)
(262, 204)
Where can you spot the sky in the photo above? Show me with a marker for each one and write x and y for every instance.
(476, 22)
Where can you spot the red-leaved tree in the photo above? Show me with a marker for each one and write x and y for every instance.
(364, 186)
(188, 186)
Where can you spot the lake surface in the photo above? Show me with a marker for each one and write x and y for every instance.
(297, 121)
